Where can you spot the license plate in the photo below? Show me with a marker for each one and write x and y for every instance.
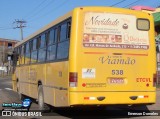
(116, 81)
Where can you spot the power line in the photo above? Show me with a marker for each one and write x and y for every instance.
(157, 5)
(36, 13)
(20, 24)
(118, 3)
(60, 5)
(66, 1)
(3, 26)
(6, 28)
(32, 11)
(9, 26)
(50, 11)
(131, 3)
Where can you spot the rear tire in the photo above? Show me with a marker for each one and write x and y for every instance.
(41, 104)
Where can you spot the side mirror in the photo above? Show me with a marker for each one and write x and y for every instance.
(15, 56)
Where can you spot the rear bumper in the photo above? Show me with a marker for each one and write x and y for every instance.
(106, 98)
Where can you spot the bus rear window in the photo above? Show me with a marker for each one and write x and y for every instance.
(143, 24)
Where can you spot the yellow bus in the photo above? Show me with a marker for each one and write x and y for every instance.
(89, 56)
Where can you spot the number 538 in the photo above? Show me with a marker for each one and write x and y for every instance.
(117, 72)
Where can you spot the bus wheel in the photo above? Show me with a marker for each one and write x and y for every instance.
(41, 104)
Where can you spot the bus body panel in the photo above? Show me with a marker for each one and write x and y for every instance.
(108, 70)
(90, 98)
(24, 80)
(56, 83)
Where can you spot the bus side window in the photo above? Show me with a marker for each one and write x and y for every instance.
(19, 53)
(34, 51)
(68, 29)
(63, 32)
(51, 35)
(22, 54)
(51, 46)
(15, 57)
(56, 35)
(42, 48)
(63, 44)
(42, 41)
(27, 53)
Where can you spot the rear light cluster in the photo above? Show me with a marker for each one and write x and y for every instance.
(143, 96)
(89, 98)
(155, 80)
(73, 79)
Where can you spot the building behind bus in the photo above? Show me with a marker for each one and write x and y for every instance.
(6, 50)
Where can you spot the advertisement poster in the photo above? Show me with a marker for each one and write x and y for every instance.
(109, 30)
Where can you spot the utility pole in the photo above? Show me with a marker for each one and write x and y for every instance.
(20, 24)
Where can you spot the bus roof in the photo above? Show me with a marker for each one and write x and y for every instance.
(67, 15)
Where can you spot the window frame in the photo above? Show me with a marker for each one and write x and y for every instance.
(27, 52)
(67, 39)
(34, 49)
(43, 47)
(55, 28)
(61, 33)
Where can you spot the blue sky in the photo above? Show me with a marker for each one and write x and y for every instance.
(38, 13)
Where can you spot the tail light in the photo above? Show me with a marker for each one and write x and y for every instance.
(73, 79)
(154, 80)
